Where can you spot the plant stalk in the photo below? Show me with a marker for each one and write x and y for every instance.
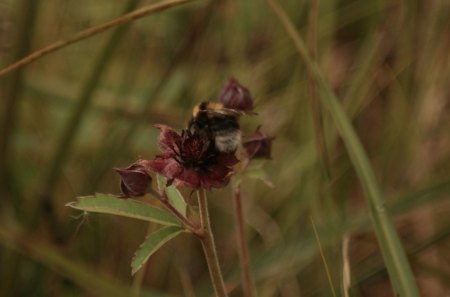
(209, 247)
(248, 285)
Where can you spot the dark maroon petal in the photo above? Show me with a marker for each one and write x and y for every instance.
(258, 145)
(252, 148)
(134, 180)
(236, 96)
(169, 168)
(158, 164)
(217, 177)
(227, 159)
(188, 178)
(168, 139)
(175, 173)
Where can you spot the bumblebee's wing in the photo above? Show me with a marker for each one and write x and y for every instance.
(229, 112)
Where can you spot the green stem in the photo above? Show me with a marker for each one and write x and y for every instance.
(209, 247)
(244, 258)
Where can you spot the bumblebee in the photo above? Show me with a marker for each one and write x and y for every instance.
(220, 125)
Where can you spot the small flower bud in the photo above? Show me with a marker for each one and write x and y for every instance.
(236, 96)
(258, 145)
(134, 180)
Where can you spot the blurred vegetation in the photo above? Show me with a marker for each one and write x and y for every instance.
(70, 117)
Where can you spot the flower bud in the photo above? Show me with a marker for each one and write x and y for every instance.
(134, 180)
(236, 96)
(258, 145)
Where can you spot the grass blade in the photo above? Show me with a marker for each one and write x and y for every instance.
(89, 32)
(108, 204)
(11, 89)
(151, 244)
(394, 255)
(324, 260)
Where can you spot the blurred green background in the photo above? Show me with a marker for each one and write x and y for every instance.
(70, 117)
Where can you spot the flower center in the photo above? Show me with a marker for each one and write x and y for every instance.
(196, 151)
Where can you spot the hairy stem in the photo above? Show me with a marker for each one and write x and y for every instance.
(209, 247)
(248, 285)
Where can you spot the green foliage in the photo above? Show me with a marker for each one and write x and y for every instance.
(151, 244)
(108, 204)
(382, 71)
(175, 197)
(400, 271)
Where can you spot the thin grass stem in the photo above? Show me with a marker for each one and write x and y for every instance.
(316, 110)
(346, 272)
(10, 94)
(324, 260)
(395, 258)
(126, 18)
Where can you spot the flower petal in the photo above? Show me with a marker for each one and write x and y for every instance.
(168, 139)
(227, 159)
(258, 145)
(188, 178)
(217, 176)
(168, 167)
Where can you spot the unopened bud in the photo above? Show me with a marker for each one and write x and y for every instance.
(236, 96)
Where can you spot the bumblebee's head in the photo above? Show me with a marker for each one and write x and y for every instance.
(207, 108)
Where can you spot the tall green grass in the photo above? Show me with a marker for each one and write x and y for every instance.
(381, 72)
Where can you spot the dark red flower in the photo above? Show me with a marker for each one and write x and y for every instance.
(258, 145)
(191, 160)
(236, 96)
(135, 179)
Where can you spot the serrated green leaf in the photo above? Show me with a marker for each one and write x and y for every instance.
(109, 204)
(151, 244)
(175, 197)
